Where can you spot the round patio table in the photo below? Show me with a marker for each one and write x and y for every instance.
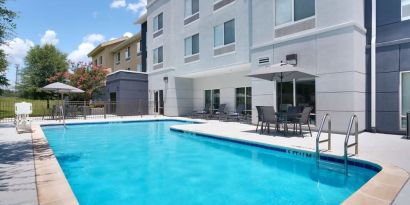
(284, 117)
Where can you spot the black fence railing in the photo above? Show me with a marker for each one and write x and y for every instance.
(51, 110)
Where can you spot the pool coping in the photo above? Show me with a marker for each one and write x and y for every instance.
(53, 187)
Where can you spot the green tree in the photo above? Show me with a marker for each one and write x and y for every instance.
(42, 63)
(7, 27)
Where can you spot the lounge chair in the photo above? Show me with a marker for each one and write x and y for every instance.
(259, 110)
(203, 113)
(221, 112)
(238, 115)
(269, 117)
(22, 119)
(304, 119)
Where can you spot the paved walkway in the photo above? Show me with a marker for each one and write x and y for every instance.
(17, 175)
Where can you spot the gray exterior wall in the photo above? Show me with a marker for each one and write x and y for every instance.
(131, 90)
(392, 57)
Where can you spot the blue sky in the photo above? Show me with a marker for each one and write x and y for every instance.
(74, 26)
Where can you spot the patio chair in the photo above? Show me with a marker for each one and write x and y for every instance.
(304, 119)
(294, 110)
(269, 117)
(238, 114)
(203, 113)
(22, 119)
(221, 112)
(259, 110)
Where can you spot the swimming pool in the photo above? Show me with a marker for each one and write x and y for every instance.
(147, 163)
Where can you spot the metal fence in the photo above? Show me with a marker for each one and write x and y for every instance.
(51, 110)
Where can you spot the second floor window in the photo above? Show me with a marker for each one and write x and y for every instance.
(224, 34)
(158, 22)
(100, 60)
(405, 10)
(138, 47)
(192, 45)
(158, 55)
(191, 7)
(118, 57)
(288, 11)
(128, 53)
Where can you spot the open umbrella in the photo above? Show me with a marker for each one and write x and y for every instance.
(62, 89)
(280, 72)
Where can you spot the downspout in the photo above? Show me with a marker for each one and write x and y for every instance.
(373, 68)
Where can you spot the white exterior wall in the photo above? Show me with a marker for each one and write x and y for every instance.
(187, 81)
(334, 50)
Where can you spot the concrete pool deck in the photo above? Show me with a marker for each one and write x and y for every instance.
(391, 150)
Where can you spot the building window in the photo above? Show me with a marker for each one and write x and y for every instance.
(138, 48)
(192, 45)
(158, 22)
(118, 58)
(405, 10)
(299, 93)
(405, 97)
(224, 34)
(158, 55)
(128, 53)
(96, 62)
(244, 97)
(289, 11)
(212, 99)
(100, 60)
(191, 7)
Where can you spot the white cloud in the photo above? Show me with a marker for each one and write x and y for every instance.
(128, 34)
(49, 37)
(118, 4)
(87, 45)
(139, 7)
(16, 50)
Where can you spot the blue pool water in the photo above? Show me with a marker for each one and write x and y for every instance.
(147, 163)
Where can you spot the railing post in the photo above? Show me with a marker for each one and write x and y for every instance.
(105, 111)
(357, 136)
(329, 134)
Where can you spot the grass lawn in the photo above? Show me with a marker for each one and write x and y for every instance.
(39, 106)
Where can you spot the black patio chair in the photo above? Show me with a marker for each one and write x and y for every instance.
(304, 119)
(238, 114)
(220, 113)
(203, 113)
(269, 117)
(259, 110)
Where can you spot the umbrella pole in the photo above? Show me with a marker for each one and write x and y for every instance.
(62, 108)
(281, 89)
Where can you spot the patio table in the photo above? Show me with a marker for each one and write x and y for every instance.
(283, 117)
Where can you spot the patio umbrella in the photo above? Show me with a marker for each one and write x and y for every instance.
(280, 72)
(62, 89)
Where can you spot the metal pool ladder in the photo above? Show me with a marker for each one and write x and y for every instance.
(355, 144)
(329, 136)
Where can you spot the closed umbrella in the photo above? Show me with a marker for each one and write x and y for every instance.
(62, 89)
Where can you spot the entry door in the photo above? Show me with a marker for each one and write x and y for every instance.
(159, 102)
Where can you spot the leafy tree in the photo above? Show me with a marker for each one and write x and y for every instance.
(7, 27)
(42, 63)
(89, 77)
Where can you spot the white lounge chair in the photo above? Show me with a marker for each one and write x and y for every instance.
(22, 120)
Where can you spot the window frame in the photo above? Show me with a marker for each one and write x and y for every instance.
(248, 112)
(293, 16)
(156, 50)
(192, 47)
(100, 59)
(128, 53)
(138, 47)
(157, 19)
(401, 10)
(192, 14)
(118, 58)
(401, 100)
(223, 34)
(212, 91)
